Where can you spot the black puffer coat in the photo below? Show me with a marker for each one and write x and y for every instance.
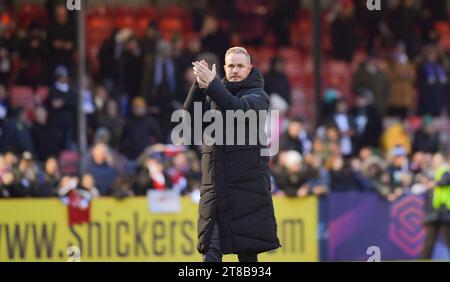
(235, 188)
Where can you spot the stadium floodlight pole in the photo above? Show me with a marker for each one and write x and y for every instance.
(317, 34)
(81, 122)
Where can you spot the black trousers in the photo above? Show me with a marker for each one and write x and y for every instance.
(432, 233)
(214, 254)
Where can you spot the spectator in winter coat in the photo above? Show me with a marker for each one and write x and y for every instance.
(140, 130)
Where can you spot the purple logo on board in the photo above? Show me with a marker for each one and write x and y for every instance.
(406, 228)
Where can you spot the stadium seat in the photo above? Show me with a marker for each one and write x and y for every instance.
(301, 30)
(125, 17)
(337, 74)
(444, 42)
(125, 11)
(96, 23)
(68, 161)
(143, 17)
(174, 12)
(42, 93)
(182, 15)
(443, 29)
(170, 27)
(147, 11)
(5, 19)
(99, 29)
(100, 10)
(264, 57)
(289, 54)
(125, 21)
(28, 12)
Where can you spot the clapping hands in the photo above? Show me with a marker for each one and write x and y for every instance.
(203, 74)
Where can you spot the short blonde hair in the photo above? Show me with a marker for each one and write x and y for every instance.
(238, 50)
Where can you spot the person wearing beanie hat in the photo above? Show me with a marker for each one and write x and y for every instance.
(61, 72)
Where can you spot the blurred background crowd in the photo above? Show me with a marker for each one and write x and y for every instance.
(382, 124)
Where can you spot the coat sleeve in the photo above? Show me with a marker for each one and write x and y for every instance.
(258, 100)
(195, 95)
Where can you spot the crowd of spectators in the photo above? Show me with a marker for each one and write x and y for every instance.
(360, 144)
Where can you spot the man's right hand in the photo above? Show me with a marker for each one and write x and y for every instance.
(201, 83)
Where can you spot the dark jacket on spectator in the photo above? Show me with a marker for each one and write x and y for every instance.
(67, 33)
(348, 180)
(15, 137)
(432, 81)
(138, 133)
(104, 176)
(107, 58)
(288, 143)
(370, 134)
(424, 142)
(343, 38)
(66, 115)
(400, 21)
(45, 138)
(290, 183)
(132, 73)
(47, 186)
(6, 135)
(21, 186)
(16, 190)
(376, 82)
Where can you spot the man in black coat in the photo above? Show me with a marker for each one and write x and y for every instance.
(236, 214)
